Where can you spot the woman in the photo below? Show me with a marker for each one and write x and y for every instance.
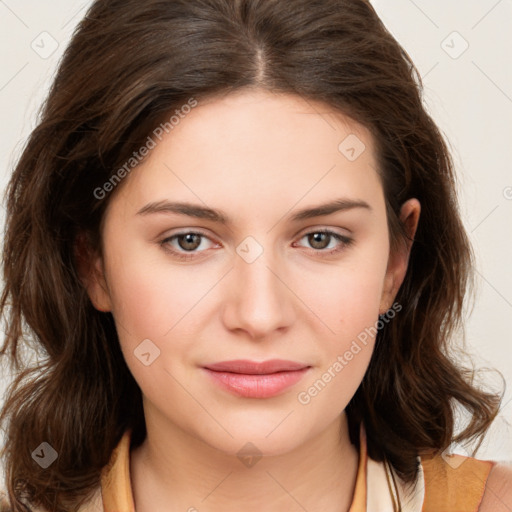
(234, 233)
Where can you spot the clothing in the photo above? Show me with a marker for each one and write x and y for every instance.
(456, 484)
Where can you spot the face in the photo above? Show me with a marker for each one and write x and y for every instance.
(251, 269)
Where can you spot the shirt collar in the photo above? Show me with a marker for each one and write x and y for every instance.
(116, 487)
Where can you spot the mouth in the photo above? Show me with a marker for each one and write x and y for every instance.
(252, 379)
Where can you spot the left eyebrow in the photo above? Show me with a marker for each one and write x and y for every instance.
(329, 208)
(203, 212)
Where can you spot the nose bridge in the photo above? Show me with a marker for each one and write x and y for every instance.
(260, 302)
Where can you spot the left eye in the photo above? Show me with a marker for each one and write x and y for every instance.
(321, 240)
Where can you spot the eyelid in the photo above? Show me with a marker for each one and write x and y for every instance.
(322, 228)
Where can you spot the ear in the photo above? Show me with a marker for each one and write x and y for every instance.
(91, 271)
(399, 259)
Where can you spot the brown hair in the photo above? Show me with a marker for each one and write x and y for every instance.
(128, 65)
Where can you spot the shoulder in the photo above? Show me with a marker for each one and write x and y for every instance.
(456, 482)
(498, 491)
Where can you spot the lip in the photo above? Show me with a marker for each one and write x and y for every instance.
(254, 367)
(252, 379)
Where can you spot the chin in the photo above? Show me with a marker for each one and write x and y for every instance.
(269, 438)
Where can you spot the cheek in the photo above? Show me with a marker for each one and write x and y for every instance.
(350, 310)
(345, 299)
(346, 296)
(158, 303)
(150, 300)
(155, 299)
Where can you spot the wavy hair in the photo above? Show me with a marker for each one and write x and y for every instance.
(128, 65)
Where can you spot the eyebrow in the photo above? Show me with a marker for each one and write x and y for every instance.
(203, 212)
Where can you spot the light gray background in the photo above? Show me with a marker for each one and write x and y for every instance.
(462, 50)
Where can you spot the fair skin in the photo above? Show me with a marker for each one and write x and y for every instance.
(260, 158)
(498, 490)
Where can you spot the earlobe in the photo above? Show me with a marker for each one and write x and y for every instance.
(92, 274)
(399, 260)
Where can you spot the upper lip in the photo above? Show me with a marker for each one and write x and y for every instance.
(255, 367)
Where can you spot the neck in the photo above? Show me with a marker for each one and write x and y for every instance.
(174, 471)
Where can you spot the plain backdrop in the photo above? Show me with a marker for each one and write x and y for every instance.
(462, 51)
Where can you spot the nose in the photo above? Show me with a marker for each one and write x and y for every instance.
(258, 299)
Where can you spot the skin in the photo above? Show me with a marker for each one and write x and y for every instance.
(259, 157)
(498, 490)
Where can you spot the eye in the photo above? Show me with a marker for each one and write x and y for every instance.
(187, 242)
(326, 241)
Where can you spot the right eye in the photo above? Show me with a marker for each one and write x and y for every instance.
(185, 245)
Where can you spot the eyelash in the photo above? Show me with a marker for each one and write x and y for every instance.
(345, 242)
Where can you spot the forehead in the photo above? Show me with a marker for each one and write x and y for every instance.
(259, 149)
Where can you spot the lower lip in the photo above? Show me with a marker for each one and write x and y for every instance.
(257, 386)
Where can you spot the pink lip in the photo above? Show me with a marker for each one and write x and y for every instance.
(256, 380)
